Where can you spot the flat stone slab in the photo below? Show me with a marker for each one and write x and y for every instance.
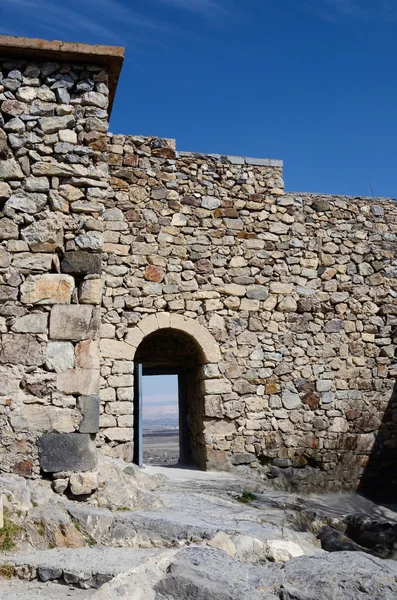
(16, 589)
(84, 564)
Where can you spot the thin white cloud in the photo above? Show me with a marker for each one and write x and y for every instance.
(108, 19)
(333, 10)
(207, 8)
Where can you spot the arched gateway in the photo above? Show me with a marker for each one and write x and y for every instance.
(167, 344)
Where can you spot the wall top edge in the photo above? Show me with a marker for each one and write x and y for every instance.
(350, 196)
(111, 57)
(236, 160)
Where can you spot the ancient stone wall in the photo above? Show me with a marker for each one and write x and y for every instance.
(289, 299)
(53, 173)
(297, 289)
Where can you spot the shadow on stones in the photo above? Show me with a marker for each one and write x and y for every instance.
(379, 479)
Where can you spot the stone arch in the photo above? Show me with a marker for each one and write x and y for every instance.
(198, 367)
(203, 338)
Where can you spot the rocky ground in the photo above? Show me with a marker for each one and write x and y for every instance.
(174, 534)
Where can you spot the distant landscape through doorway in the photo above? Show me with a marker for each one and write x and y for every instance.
(160, 419)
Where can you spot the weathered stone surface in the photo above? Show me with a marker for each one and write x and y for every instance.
(25, 202)
(90, 291)
(81, 263)
(31, 323)
(89, 408)
(27, 262)
(21, 349)
(47, 289)
(82, 484)
(67, 452)
(60, 356)
(153, 273)
(78, 381)
(10, 169)
(44, 418)
(54, 124)
(87, 355)
(93, 240)
(291, 400)
(8, 229)
(115, 349)
(8, 293)
(74, 322)
(43, 236)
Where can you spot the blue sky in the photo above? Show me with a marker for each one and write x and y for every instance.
(160, 396)
(312, 82)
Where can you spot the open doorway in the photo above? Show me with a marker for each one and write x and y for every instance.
(160, 419)
(172, 357)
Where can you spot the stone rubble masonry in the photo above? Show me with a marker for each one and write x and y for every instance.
(290, 298)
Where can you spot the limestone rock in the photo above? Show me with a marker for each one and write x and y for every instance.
(10, 169)
(21, 349)
(82, 484)
(87, 355)
(25, 202)
(43, 236)
(8, 229)
(78, 381)
(31, 323)
(74, 322)
(60, 356)
(90, 291)
(115, 349)
(28, 262)
(47, 289)
(55, 124)
(92, 240)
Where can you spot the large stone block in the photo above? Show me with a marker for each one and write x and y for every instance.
(60, 356)
(21, 349)
(67, 452)
(74, 322)
(78, 381)
(116, 350)
(47, 289)
(43, 236)
(31, 323)
(89, 408)
(87, 355)
(81, 263)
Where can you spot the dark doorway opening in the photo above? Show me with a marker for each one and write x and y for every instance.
(166, 353)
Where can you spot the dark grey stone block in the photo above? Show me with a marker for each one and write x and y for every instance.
(89, 408)
(81, 263)
(67, 452)
(242, 459)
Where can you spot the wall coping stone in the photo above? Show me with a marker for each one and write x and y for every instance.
(111, 57)
(339, 196)
(235, 160)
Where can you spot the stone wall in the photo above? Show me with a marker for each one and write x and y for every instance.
(288, 299)
(53, 175)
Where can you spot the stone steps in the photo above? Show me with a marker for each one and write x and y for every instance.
(85, 568)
